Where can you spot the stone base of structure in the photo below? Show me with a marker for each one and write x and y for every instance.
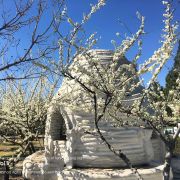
(36, 168)
(147, 173)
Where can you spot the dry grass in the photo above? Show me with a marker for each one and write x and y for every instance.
(8, 149)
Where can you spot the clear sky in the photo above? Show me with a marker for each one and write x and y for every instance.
(106, 22)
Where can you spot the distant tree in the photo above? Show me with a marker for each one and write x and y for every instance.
(25, 38)
(173, 73)
(23, 112)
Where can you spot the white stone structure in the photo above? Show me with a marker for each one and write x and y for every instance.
(81, 147)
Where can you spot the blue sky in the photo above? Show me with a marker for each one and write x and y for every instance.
(106, 23)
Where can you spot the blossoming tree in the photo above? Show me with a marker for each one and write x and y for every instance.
(23, 112)
(108, 86)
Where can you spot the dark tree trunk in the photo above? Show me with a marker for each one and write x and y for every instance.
(169, 155)
(6, 174)
(167, 166)
(32, 147)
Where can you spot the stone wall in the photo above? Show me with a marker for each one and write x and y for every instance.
(90, 150)
(87, 150)
(84, 148)
(35, 170)
(159, 150)
(115, 174)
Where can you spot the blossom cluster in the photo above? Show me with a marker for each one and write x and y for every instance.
(159, 58)
(118, 80)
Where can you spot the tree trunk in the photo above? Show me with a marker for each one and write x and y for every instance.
(32, 147)
(167, 166)
(6, 174)
(169, 155)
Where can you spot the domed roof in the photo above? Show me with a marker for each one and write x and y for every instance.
(106, 56)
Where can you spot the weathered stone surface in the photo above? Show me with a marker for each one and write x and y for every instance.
(87, 150)
(82, 146)
(35, 166)
(159, 150)
(176, 168)
(148, 172)
(119, 174)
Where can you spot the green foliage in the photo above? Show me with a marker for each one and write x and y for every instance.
(173, 73)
